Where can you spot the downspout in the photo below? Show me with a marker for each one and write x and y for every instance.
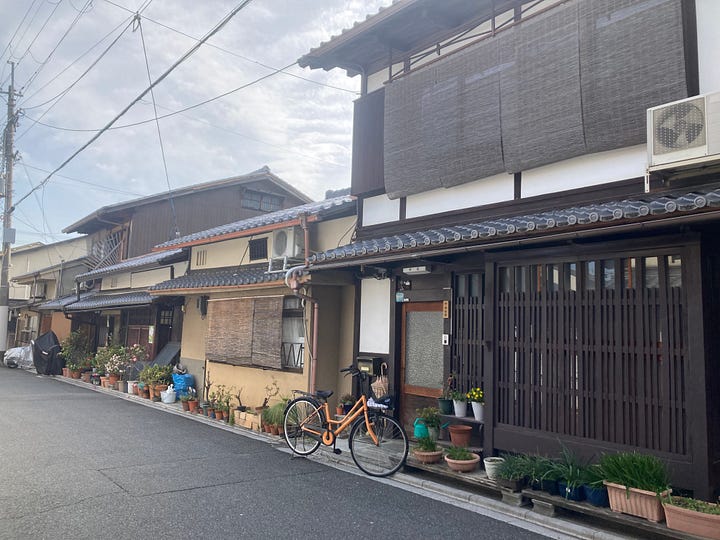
(292, 280)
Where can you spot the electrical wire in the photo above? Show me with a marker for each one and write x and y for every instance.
(176, 229)
(62, 94)
(162, 77)
(98, 187)
(37, 35)
(57, 45)
(232, 53)
(17, 29)
(28, 98)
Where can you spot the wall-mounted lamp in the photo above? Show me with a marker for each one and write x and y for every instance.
(202, 305)
(416, 270)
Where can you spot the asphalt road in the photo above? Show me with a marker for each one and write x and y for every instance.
(75, 463)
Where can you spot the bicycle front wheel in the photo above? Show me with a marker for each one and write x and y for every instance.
(385, 457)
(302, 412)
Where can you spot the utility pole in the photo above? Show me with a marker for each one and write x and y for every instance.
(8, 234)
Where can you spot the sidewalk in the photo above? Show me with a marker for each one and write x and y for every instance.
(473, 494)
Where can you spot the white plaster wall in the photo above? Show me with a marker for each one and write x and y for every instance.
(149, 277)
(584, 171)
(376, 80)
(489, 190)
(380, 209)
(375, 316)
(708, 18)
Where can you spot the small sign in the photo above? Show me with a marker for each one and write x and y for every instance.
(151, 334)
(399, 296)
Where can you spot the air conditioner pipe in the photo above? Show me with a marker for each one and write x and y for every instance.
(292, 280)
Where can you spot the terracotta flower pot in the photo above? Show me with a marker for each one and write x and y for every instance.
(636, 502)
(692, 522)
(193, 404)
(460, 434)
(428, 457)
(185, 405)
(113, 378)
(468, 465)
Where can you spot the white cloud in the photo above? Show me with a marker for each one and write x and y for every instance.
(301, 130)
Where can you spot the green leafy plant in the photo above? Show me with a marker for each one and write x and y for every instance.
(515, 467)
(459, 453)
(457, 395)
(538, 467)
(594, 475)
(631, 469)
(448, 387)
(430, 416)
(75, 348)
(427, 444)
(693, 504)
(570, 469)
(347, 399)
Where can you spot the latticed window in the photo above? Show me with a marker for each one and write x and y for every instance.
(107, 251)
(293, 333)
(258, 249)
(266, 202)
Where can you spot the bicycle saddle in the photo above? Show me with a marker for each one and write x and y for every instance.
(324, 394)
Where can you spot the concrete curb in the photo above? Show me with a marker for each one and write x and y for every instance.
(523, 517)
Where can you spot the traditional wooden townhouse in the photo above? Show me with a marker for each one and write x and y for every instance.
(40, 273)
(538, 213)
(110, 302)
(243, 328)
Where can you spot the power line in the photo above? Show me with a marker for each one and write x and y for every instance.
(57, 45)
(17, 29)
(266, 66)
(37, 35)
(62, 94)
(162, 77)
(99, 187)
(176, 229)
(125, 21)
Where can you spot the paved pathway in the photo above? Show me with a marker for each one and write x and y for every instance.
(81, 463)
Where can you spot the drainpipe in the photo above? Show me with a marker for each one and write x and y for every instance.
(306, 239)
(292, 280)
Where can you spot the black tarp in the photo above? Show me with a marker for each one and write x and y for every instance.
(46, 354)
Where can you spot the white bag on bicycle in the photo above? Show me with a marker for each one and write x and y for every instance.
(380, 386)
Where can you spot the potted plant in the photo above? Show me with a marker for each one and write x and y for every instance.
(571, 476)
(192, 399)
(511, 472)
(185, 400)
(348, 400)
(476, 397)
(460, 434)
(74, 350)
(692, 516)
(427, 423)
(460, 459)
(74, 370)
(445, 401)
(427, 451)
(635, 484)
(595, 491)
(537, 466)
(459, 403)
(492, 465)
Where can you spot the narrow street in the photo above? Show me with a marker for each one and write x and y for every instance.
(75, 463)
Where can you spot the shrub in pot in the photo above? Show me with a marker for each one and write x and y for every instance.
(428, 422)
(635, 483)
(595, 491)
(459, 403)
(571, 476)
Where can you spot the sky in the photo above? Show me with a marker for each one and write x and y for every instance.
(81, 62)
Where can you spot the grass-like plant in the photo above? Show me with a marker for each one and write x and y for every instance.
(515, 467)
(459, 453)
(640, 471)
(426, 444)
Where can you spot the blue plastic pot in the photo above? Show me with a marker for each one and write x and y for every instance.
(597, 496)
(571, 493)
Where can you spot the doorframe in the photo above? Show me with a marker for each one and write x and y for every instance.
(411, 389)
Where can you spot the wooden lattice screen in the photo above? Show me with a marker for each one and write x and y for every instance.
(594, 349)
(466, 358)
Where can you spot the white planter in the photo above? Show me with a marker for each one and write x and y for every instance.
(460, 407)
(478, 410)
(492, 464)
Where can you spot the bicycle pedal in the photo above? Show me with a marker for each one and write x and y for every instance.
(337, 451)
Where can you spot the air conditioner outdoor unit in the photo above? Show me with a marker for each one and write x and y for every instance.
(684, 131)
(288, 243)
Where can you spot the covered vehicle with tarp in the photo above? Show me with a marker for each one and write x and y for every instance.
(46, 354)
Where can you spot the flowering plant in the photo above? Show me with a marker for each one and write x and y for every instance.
(137, 353)
(476, 394)
(115, 365)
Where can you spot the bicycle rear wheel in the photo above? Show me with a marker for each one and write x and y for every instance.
(384, 458)
(301, 412)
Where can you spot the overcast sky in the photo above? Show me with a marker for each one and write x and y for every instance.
(300, 129)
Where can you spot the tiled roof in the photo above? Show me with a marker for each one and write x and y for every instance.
(220, 277)
(280, 216)
(562, 220)
(129, 264)
(109, 301)
(63, 302)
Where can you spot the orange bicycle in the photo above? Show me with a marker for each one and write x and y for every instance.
(377, 442)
